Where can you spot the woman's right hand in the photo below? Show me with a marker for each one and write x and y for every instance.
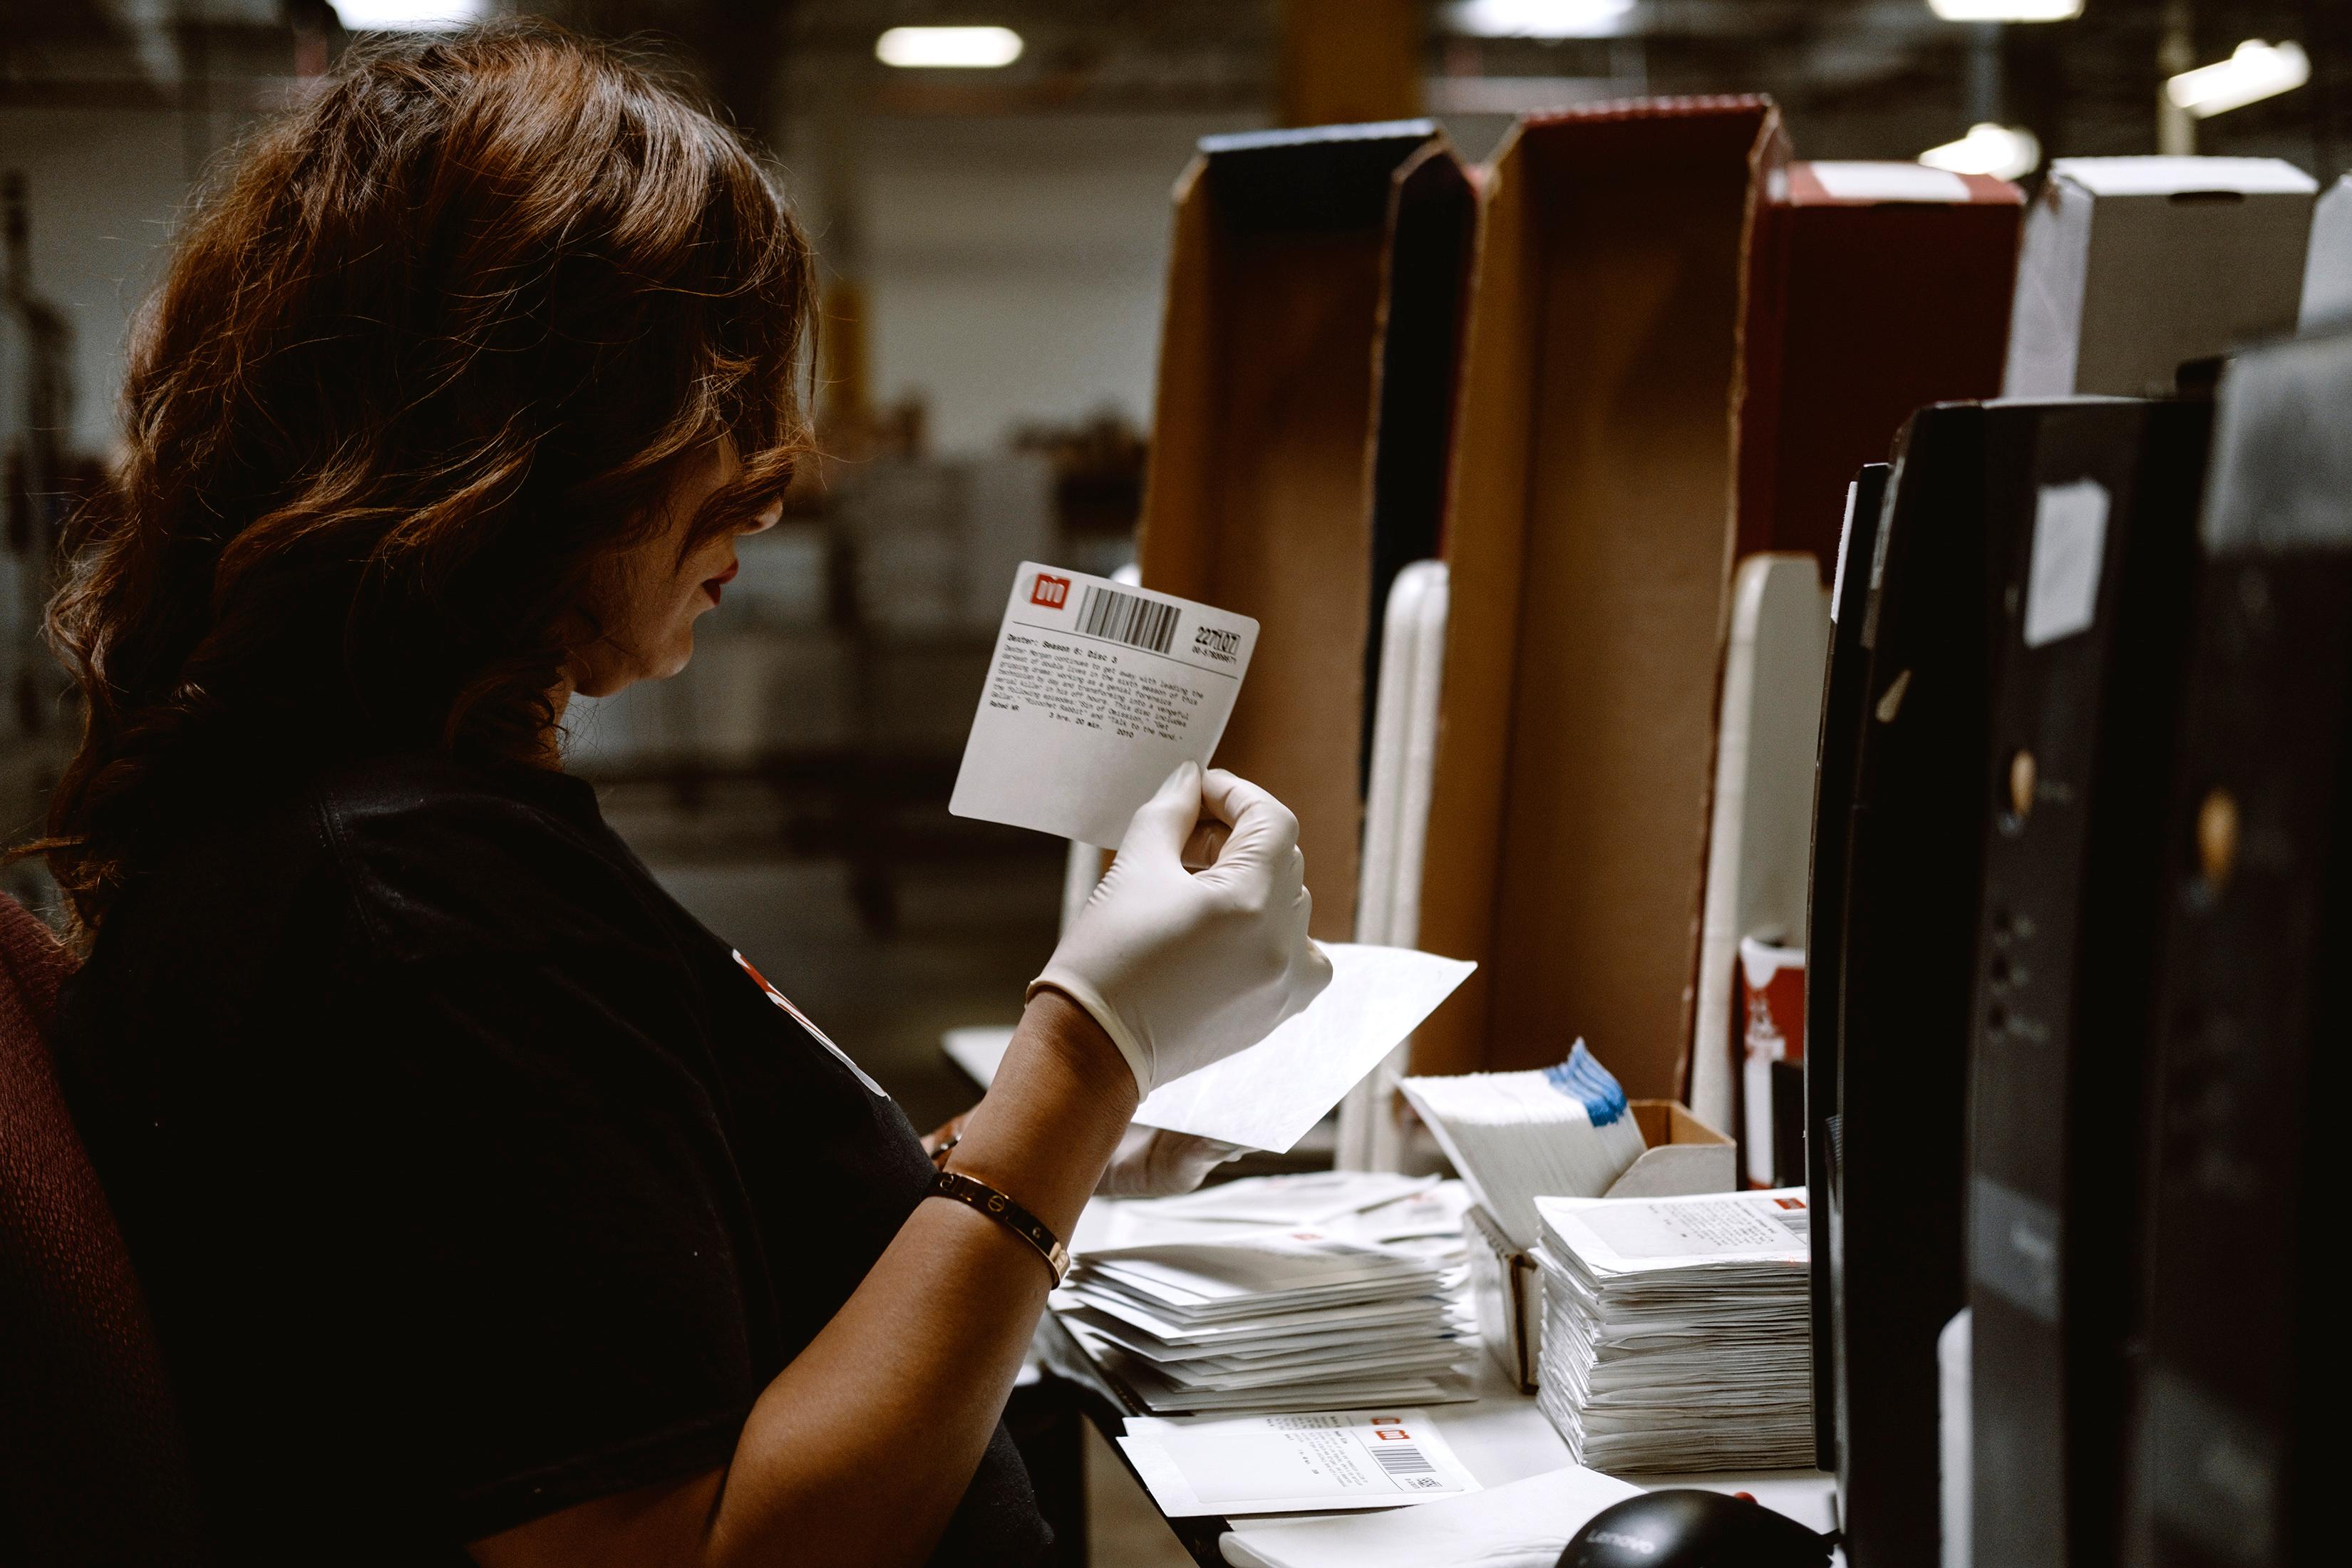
(1182, 968)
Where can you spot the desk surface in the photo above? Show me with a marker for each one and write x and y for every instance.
(1501, 1436)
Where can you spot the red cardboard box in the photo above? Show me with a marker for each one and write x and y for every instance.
(1878, 289)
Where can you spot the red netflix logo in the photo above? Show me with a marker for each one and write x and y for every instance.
(1051, 592)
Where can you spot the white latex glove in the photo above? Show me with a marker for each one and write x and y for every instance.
(1154, 1162)
(1183, 968)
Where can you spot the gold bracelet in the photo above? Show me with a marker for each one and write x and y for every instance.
(1006, 1213)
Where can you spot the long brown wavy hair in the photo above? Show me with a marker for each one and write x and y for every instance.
(423, 363)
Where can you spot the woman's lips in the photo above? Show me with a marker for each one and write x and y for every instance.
(713, 584)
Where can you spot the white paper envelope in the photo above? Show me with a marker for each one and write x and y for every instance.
(1310, 1198)
(1097, 692)
(1286, 1464)
(1251, 1266)
(1523, 1525)
(1270, 1095)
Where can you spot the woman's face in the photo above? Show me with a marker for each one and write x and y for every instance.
(663, 585)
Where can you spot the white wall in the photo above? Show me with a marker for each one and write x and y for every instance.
(102, 187)
(1015, 266)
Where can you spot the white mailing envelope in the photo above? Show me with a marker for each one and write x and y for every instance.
(1287, 1464)
(1271, 1095)
(1097, 692)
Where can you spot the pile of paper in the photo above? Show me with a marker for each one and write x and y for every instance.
(1563, 1130)
(1284, 1293)
(1233, 1465)
(1523, 1525)
(1676, 1331)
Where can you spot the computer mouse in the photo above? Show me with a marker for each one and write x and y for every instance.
(1690, 1529)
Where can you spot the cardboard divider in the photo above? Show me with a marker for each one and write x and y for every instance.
(1591, 537)
(1300, 438)
(1877, 289)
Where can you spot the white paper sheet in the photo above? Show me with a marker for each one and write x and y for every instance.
(1291, 1464)
(1097, 691)
(979, 1050)
(1523, 1525)
(1270, 1095)
(2070, 538)
(1310, 1198)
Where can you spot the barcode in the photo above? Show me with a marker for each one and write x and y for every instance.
(1124, 618)
(1403, 1459)
(1798, 1223)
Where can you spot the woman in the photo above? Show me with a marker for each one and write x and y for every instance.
(487, 1203)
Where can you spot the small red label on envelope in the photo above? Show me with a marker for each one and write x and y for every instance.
(1051, 592)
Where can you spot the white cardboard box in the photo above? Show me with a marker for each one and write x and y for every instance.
(1685, 1155)
(2133, 266)
(2327, 269)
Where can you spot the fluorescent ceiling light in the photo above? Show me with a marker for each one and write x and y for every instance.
(2255, 70)
(2006, 10)
(407, 16)
(967, 48)
(1538, 18)
(2006, 152)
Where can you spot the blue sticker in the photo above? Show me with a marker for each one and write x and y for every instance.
(1583, 1077)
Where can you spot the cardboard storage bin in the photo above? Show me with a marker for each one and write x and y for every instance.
(2328, 264)
(1876, 289)
(2133, 266)
(1299, 443)
(1685, 1155)
(1589, 539)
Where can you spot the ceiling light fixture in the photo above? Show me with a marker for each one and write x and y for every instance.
(2004, 152)
(2006, 10)
(951, 48)
(2255, 70)
(1538, 18)
(407, 16)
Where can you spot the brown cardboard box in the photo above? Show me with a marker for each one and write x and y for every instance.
(1877, 288)
(1590, 541)
(1685, 1155)
(1300, 443)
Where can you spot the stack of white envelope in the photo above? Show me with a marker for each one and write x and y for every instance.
(1317, 1292)
(1566, 1129)
(1676, 1331)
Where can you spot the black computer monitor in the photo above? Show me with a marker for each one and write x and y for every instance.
(1904, 955)
(1842, 717)
(2094, 601)
(2243, 1390)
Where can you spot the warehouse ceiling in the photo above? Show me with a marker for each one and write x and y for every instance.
(1856, 77)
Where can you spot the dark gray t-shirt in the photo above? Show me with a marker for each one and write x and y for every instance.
(468, 1175)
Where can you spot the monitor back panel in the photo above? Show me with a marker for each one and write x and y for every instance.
(2238, 1427)
(2085, 686)
(1905, 962)
(1841, 718)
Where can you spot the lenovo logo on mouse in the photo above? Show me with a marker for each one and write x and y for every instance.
(1613, 1538)
(1051, 592)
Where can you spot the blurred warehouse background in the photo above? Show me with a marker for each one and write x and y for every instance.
(989, 184)
(992, 203)
(992, 212)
